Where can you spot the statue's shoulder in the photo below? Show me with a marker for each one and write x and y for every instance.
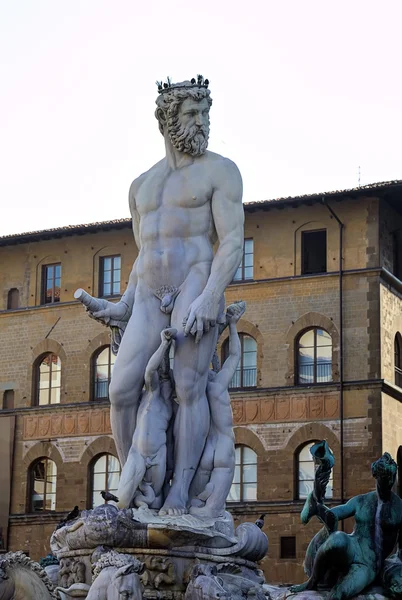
(220, 161)
(362, 498)
(223, 168)
(138, 181)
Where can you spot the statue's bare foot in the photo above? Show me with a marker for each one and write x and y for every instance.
(206, 511)
(172, 511)
(174, 506)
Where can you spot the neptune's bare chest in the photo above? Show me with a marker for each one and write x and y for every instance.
(183, 189)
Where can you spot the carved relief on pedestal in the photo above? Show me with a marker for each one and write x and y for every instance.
(71, 571)
(159, 572)
(58, 425)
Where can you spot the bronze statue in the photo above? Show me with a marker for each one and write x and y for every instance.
(349, 563)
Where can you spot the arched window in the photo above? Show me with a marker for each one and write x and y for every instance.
(314, 356)
(103, 363)
(13, 299)
(48, 379)
(42, 485)
(246, 372)
(397, 359)
(105, 476)
(305, 470)
(244, 486)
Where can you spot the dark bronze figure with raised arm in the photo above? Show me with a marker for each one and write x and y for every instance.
(349, 563)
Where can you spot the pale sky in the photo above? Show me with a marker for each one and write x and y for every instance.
(304, 92)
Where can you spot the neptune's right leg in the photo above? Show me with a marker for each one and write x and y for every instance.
(140, 340)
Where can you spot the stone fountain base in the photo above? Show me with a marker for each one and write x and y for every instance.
(181, 557)
(168, 574)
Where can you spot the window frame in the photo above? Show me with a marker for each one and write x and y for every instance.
(241, 367)
(241, 482)
(302, 247)
(8, 398)
(31, 486)
(37, 379)
(54, 299)
(112, 271)
(13, 297)
(314, 328)
(106, 473)
(283, 550)
(242, 265)
(94, 359)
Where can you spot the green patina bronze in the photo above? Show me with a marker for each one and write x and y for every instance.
(349, 563)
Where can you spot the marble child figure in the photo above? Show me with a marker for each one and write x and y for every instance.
(148, 453)
(212, 482)
(180, 207)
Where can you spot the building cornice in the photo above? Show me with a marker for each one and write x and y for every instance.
(379, 189)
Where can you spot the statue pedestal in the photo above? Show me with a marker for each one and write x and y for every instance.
(181, 558)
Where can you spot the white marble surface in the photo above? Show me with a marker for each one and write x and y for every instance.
(180, 207)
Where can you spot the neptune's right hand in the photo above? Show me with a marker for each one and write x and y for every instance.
(109, 313)
(112, 313)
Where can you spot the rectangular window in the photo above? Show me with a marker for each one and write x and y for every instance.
(51, 282)
(109, 276)
(245, 270)
(8, 399)
(314, 252)
(288, 546)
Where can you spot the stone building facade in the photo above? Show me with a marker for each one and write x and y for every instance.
(322, 358)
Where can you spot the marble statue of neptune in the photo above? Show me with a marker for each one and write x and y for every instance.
(180, 208)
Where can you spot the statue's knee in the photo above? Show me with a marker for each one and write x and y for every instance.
(190, 389)
(339, 548)
(184, 389)
(118, 395)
